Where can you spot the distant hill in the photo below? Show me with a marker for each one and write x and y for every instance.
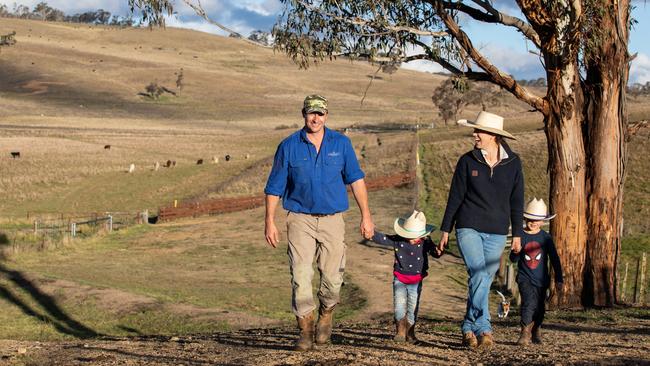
(63, 69)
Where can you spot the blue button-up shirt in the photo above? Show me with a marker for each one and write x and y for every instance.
(314, 182)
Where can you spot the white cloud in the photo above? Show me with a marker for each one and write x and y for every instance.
(640, 69)
(423, 65)
(521, 64)
(265, 8)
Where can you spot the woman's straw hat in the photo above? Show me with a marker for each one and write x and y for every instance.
(413, 227)
(536, 210)
(489, 122)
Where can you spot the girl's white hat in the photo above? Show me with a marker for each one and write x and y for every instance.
(489, 122)
(413, 227)
(536, 210)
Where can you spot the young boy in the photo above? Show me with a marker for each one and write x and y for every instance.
(411, 247)
(532, 276)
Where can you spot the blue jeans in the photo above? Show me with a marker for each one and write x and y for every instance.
(406, 300)
(481, 253)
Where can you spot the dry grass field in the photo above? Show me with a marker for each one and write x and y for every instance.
(68, 90)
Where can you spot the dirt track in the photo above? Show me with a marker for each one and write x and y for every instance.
(623, 343)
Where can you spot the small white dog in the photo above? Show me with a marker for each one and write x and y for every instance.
(504, 306)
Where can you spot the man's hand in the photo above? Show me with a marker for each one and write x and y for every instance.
(516, 244)
(367, 228)
(272, 234)
(444, 239)
(270, 231)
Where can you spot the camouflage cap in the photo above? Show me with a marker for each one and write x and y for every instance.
(315, 103)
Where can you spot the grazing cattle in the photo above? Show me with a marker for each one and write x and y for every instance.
(131, 168)
(199, 162)
(15, 154)
(215, 160)
(168, 164)
(227, 157)
(156, 166)
(173, 163)
(107, 147)
(247, 156)
(378, 141)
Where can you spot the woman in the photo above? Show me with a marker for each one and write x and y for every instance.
(486, 196)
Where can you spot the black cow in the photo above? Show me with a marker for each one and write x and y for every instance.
(199, 162)
(168, 164)
(15, 154)
(227, 157)
(107, 147)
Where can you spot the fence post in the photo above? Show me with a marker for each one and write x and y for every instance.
(624, 284)
(110, 223)
(35, 226)
(642, 281)
(144, 217)
(73, 229)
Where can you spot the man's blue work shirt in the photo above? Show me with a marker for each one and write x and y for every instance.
(311, 182)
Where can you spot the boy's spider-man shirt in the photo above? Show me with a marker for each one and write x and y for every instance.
(536, 250)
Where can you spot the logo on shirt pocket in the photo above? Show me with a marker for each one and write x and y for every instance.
(474, 173)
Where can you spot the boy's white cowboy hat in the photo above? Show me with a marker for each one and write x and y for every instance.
(490, 122)
(413, 227)
(536, 210)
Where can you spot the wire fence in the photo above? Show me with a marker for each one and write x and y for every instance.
(47, 230)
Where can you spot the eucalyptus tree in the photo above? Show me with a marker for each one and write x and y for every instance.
(583, 47)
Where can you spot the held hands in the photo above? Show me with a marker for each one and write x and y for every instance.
(444, 239)
(367, 228)
(271, 233)
(516, 244)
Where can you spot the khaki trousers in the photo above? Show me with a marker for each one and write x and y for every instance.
(321, 238)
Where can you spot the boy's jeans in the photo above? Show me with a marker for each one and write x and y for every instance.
(532, 302)
(481, 253)
(406, 299)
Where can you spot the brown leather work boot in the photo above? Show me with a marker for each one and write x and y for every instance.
(324, 325)
(402, 328)
(306, 340)
(525, 335)
(410, 334)
(537, 333)
(469, 340)
(485, 340)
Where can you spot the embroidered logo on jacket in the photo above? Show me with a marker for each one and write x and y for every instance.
(474, 173)
(334, 153)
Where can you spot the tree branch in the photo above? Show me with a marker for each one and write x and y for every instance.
(492, 15)
(198, 9)
(495, 75)
(364, 23)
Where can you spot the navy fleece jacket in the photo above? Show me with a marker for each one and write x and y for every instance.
(486, 199)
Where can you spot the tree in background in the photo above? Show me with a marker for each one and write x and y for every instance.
(455, 93)
(583, 47)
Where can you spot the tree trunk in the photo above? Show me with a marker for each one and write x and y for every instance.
(566, 163)
(606, 129)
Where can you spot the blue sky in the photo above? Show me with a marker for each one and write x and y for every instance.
(505, 47)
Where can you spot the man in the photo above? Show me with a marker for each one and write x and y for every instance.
(310, 171)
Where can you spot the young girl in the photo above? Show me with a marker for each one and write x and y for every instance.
(532, 275)
(411, 264)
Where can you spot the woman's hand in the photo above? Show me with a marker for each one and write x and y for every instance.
(444, 238)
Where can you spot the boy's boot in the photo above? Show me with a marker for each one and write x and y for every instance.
(410, 334)
(537, 333)
(306, 340)
(324, 325)
(402, 329)
(525, 335)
